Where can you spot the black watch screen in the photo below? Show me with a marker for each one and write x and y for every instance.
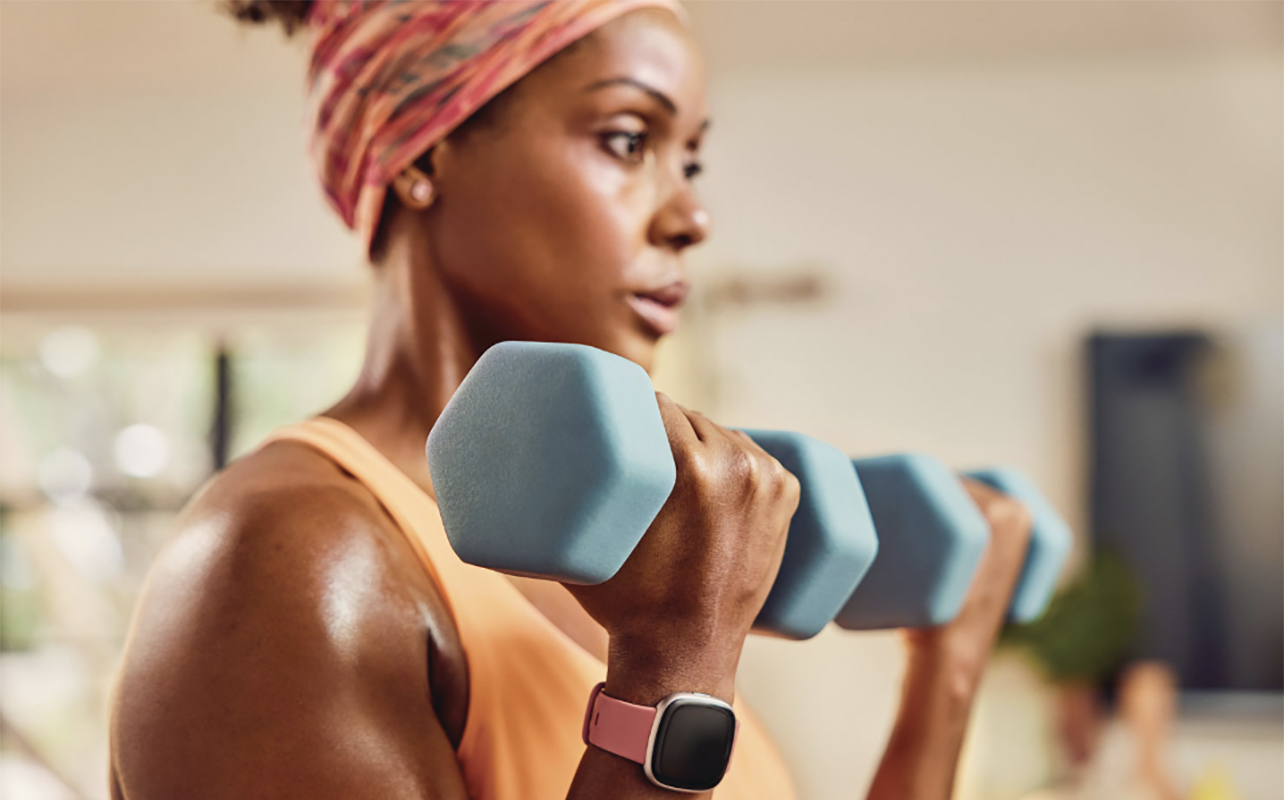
(693, 745)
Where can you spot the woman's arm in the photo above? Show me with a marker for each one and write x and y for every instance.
(946, 663)
(283, 647)
(279, 654)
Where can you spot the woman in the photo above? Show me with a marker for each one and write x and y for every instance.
(517, 170)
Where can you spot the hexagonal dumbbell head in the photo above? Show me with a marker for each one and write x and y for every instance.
(931, 537)
(551, 460)
(831, 538)
(1050, 542)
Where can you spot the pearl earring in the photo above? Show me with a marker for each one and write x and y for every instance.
(421, 191)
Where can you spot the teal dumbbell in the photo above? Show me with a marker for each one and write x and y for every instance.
(551, 460)
(931, 536)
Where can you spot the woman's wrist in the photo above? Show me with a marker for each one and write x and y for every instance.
(954, 663)
(936, 701)
(941, 678)
(644, 671)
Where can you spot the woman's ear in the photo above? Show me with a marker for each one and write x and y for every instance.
(414, 189)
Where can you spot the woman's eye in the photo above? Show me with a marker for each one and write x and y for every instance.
(631, 147)
(626, 145)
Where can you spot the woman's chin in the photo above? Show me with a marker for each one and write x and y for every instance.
(636, 347)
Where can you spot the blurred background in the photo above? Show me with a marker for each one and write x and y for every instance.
(1042, 234)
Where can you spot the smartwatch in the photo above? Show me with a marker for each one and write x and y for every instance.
(683, 744)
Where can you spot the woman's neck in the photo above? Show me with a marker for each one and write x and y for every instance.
(417, 354)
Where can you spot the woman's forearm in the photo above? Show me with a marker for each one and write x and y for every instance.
(946, 664)
(922, 753)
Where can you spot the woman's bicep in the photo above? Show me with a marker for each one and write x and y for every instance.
(278, 657)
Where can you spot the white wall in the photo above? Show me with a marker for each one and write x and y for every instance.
(983, 183)
(157, 144)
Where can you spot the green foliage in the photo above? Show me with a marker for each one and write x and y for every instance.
(19, 606)
(1089, 625)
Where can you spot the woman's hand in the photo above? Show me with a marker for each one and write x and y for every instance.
(963, 645)
(679, 609)
(946, 663)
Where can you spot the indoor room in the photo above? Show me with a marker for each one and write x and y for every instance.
(1035, 245)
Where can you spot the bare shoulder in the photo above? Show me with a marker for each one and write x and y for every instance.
(287, 609)
(280, 533)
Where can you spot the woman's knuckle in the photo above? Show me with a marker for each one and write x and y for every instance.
(1008, 515)
(691, 464)
(793, 486)
(744, 466)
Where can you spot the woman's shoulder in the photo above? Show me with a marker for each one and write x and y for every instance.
(284, 601)
(283, 524)
(282, 485)
(283, 561)
(274, 517)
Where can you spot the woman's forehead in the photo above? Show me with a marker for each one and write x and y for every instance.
(646, 48)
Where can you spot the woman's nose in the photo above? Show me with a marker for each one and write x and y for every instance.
(681, 222)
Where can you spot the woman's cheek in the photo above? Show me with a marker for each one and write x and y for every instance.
(622, 200)
(600, 234)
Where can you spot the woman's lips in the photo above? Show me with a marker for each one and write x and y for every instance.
(659, 307)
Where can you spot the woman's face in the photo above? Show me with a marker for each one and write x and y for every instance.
(566, 219)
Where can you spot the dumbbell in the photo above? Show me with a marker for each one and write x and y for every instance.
(931, 537)
(551, 461)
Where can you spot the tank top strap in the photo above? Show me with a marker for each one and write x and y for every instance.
(482, 602)
(410, 507)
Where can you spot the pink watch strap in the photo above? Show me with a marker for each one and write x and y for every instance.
(618, 727)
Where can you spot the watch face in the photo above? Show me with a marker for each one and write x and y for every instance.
(693, 744)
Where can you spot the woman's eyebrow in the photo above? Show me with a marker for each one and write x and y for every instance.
(659, 96)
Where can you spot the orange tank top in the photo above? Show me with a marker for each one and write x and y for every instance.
(529, 682)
